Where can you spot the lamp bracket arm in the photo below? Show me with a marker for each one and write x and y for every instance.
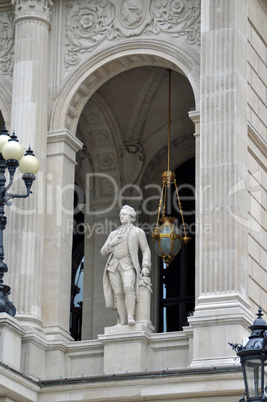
(236, 346)
(10, 196)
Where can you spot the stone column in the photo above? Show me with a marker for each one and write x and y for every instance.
(222, 308)
(61, 155)
(24, 239)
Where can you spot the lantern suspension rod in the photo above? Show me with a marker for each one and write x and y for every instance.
(169, 120)
(180, 209)
(164, 201)
(160, 206)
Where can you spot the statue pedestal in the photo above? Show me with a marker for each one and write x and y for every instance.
(126, 348)
(142, 313)
(10, 340)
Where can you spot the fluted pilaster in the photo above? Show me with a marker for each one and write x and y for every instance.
(223, 149)
(26, 222)
(222, 306)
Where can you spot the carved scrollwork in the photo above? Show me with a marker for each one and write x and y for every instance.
(177, 18)
(91, 22)
(6, 43)
(88, 24)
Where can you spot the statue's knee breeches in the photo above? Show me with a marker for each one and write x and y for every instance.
(116, 284)
(128, 279)
(129, 290)
(122, 282)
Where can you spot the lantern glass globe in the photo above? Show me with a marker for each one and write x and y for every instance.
(29, 164)
(12, 150)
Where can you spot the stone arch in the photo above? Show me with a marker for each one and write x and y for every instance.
(80, 86)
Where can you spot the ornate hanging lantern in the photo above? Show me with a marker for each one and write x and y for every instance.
(168, 238)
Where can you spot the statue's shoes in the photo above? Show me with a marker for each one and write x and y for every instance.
(131, 321)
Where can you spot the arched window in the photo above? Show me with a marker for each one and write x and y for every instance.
(76, 303)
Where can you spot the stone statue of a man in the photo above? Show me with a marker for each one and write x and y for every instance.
(122, 268)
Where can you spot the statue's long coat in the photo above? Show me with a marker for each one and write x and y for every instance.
(136, 238)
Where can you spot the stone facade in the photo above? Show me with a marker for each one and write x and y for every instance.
(84, 82)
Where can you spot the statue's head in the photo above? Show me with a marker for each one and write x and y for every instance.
(126, 209)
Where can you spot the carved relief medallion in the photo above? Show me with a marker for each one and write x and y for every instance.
(132, 16)
(91, 22)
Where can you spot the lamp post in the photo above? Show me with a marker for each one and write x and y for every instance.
(11, 156)
(253, 358)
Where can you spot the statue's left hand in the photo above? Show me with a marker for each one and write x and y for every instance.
(145, 271)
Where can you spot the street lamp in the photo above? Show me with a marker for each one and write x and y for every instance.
(253, 358)
(11, 157)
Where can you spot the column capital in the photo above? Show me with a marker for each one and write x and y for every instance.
(34, 9)
(195, 117)
(63, 142)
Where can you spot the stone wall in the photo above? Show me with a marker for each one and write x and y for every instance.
(230, 269)
(257, 122)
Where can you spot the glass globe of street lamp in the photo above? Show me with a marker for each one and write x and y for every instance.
(12, 150)
(29, 163)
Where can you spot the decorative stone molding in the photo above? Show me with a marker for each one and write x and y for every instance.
(83, 154)
(88, 25)
(101, 139)
(106, 161)
(6, 43)
(131, 161)
(33, 8)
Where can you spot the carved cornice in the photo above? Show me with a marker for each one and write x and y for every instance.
(33, 8)
(91, 23)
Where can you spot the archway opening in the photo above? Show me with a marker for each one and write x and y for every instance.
(123, 128)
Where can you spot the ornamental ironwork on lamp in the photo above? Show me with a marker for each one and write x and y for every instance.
(253, 359)
(168, 238)
(11, 157)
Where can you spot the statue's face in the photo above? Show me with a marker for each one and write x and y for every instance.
(125, 218)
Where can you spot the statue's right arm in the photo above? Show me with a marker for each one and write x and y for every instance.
(106, 249)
